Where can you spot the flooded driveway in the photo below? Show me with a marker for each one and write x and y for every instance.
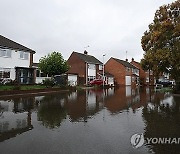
(90, 121)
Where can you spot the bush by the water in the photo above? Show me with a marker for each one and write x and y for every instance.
(49, 82)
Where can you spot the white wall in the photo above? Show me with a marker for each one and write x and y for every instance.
(14, 61)
(9, 63)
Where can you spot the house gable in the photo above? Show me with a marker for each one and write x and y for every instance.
(6, 43)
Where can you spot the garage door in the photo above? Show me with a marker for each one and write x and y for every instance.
(128, 80)
(72, 80)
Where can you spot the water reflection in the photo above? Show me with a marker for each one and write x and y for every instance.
(51, 111)
(15, 117)
(158, 114)
(162, 120)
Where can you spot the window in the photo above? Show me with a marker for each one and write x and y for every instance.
(37, 73)
(5, 53)
(24, 55)
(90, 78)
(92, 66)
(4, 74)
(100, 67)
(40, 74)
(147, 79)
(133, 79)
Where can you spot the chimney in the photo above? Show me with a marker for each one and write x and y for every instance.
(126, 59)
(85, 52)
(132, 59)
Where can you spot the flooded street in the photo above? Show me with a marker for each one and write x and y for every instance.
(89, 121)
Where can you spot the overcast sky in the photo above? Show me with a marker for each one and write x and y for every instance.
(109, 27)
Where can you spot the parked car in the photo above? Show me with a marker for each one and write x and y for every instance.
(164, 82)
(96, 82)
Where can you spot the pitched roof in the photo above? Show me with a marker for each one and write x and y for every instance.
(88, 58)
(7, 43)
(125, 63)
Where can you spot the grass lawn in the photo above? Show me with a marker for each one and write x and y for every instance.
(22, 87)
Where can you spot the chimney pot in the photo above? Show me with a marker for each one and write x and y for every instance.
(132, 59)
(85, 52)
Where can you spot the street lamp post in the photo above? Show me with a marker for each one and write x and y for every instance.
(103, 69)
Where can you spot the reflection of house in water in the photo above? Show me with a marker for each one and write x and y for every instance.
(124, 98)
(84, 104)
(15, 119)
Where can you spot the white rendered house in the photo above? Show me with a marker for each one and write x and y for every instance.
(16, 61)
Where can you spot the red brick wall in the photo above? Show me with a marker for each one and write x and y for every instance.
(77, 66)
(142, 74)
(116, 69)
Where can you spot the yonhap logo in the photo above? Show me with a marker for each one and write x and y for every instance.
(137, 140)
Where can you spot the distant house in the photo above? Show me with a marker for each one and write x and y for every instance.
(86, 66)
(16, 61)
(146, 77)
(124, 72)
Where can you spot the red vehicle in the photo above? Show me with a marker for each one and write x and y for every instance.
(96, 82)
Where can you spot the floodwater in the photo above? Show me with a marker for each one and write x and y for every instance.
(90, 121)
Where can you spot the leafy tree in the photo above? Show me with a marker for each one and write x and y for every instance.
(53, 64)
(161, 42)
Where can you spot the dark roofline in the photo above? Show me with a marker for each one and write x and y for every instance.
(9, 44)
(125, 63)
(88, 58)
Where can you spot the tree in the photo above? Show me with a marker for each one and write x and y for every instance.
(161, 42)
(53, 64)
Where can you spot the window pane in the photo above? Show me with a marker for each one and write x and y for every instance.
(21, 54)
(3, 52)
(25, 55)
(6, 74)
(8, 53)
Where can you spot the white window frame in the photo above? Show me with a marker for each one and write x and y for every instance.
(3, 72)
(23, 55)
(6, 53)
(100, 67)
(92, 66)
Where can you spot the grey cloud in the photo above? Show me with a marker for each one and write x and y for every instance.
(108, 26)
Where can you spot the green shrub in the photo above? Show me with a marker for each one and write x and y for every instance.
(49, 82)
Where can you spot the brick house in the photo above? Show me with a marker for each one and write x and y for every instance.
(146, 77)
(16, 61)
(86, 66)
(124, 73)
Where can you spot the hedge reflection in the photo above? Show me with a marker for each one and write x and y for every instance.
(51, 111)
